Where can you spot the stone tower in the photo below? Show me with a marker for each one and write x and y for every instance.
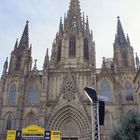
(123, 51)
(73, 44)
(21, 55)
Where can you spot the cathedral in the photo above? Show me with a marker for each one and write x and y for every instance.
(54, 98)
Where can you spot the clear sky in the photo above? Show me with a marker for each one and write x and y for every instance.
(44, 15)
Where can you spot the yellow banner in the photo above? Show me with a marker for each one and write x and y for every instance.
(33, 129)
(56, 135)
(11, 134)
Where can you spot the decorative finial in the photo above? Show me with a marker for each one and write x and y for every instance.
(128, 40)
(5, 66)
(27, 21)
(118, 17)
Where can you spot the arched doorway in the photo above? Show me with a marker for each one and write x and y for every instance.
(72, 123)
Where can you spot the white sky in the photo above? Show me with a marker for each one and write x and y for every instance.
(44, 15)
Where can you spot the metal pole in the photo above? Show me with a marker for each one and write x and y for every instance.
(97, 125)
(92, 119)
(98, 120)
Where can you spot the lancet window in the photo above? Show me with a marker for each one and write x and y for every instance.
(59, 51)
(128, 91)
(72, 46)
(33, 97)
(18, 63)
(12, 95)
(105, 90)
(125, 62)
(8, 121)
(86, 49)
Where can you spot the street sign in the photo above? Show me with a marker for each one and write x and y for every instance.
(18, 135)
(33, 130)
(11, 134)
(55, 135)
(47, 135)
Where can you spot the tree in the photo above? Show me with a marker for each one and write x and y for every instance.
(127, 128)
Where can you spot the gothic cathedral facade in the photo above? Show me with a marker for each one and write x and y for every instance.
(54, 97)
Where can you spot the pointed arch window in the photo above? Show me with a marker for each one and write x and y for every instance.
(72, 46)
(18, 63)
(86, 49)
(9, 122)
(105, 90)
(128, 91)
(12, 95)
(59, 51)
(33, 97)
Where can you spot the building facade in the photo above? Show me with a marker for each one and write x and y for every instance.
(54, 97)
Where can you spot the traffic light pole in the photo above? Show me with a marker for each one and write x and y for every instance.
(92, 95)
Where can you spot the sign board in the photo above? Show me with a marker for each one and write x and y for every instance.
(33, 130)
(18, 135)
(55, 135)
(11, 135)
(47, 135)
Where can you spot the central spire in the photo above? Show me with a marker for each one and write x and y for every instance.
(74, 14)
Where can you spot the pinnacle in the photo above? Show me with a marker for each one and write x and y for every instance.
(74, 14)
(120, 36)
(24, 42)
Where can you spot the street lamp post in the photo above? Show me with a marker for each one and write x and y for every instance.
(92, 95)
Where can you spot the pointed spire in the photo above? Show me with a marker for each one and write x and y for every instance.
(24, 42)
(5, 66)
(47, 55)
(83, 20)
(46, 61)
(74, 8)
(61, 27)
(74, 14)
(16, 44)
(128, 40)
(30, 47)
(120, 37)
(87, 26)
